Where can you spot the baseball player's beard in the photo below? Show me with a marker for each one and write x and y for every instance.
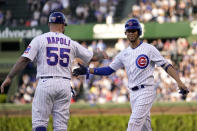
(133, 39)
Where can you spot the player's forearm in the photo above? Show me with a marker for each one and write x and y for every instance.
(19, 66)
(102, 71)
(173, 73)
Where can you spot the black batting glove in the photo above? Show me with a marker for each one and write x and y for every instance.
(82, 70)
(184, 93)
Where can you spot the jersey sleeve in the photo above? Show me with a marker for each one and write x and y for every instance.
(117, 63)
(32, 49)
(83, 53)
(157, 58)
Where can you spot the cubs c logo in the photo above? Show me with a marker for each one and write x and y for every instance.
(130, 23)
(53, 19)
(142, 61)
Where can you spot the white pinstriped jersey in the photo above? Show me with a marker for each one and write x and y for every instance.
(139, 63)
(54, 53)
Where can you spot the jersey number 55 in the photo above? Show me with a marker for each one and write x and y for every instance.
(53, 53)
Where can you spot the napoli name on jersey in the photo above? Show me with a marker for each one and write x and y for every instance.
(59, 52)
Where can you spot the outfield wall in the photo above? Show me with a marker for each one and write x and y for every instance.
(105, 31)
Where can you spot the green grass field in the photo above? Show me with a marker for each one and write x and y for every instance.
(10, 121)
(186, 122)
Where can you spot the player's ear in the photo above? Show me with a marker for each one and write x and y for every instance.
(125, 33)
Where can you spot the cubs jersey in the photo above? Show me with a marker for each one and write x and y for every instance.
(54, 54)
(139, 63)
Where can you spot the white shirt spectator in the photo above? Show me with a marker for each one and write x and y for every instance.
(101, 45)
(120, 45)
(46, 7)
(155, 12)
(36, 15)
(65, 3)
(34, 23)
(172, 3)
(147, 16)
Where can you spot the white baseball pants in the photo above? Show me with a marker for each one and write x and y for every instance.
(141, 103)
(52, 96)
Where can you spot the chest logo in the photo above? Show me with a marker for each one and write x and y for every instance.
(142, 61)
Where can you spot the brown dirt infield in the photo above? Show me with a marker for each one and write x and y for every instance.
(112, 111)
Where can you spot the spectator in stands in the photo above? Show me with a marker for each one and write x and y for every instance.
(29, 4)
(8, 18)
(101, 45)
(194, 44)
(93, 46)
(27, 23)
(65, 3)
(97, 11)
(21, 22)
(164, 10)
(35, 18)
(1, 17)
(14, 23)
(120, 45)
(82, 12)
(33, 23)
(43, 19)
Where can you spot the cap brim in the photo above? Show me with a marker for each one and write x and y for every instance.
(131, 28)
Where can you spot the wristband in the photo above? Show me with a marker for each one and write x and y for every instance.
(166, 68)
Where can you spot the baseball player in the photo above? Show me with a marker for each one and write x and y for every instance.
(54, 53)
(139, 60)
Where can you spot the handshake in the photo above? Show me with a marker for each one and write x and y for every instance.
(81, 70)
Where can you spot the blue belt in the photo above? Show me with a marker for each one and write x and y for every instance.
(135, 88)
(48, 77)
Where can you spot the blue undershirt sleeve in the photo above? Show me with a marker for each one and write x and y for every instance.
(103, 71)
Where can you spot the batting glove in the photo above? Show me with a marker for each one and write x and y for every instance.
(82, 70)
(184, 93)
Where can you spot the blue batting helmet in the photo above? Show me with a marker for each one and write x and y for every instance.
(57, 18)
(133, 24)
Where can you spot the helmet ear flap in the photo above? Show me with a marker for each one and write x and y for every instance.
(139, 32)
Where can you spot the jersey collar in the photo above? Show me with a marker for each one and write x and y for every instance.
(137, 46)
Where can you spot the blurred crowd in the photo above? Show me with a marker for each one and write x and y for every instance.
(164, 10)
(26, 89)
(101, 89)
(98, 11)
(113, 88)
(76, 12)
